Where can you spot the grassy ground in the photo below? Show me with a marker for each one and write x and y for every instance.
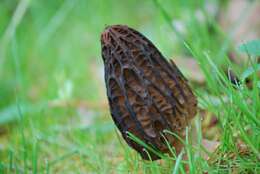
(53, 112)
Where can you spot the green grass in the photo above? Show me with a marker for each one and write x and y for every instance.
(53, 116)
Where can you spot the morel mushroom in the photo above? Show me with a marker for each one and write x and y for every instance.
(146, 93)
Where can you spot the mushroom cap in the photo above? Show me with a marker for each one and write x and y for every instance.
(147, 94)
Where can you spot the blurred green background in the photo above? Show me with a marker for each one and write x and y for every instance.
(58, 43)
(52, 94)
(53, 109)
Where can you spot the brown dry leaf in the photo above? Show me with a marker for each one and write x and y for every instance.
(190, 68)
